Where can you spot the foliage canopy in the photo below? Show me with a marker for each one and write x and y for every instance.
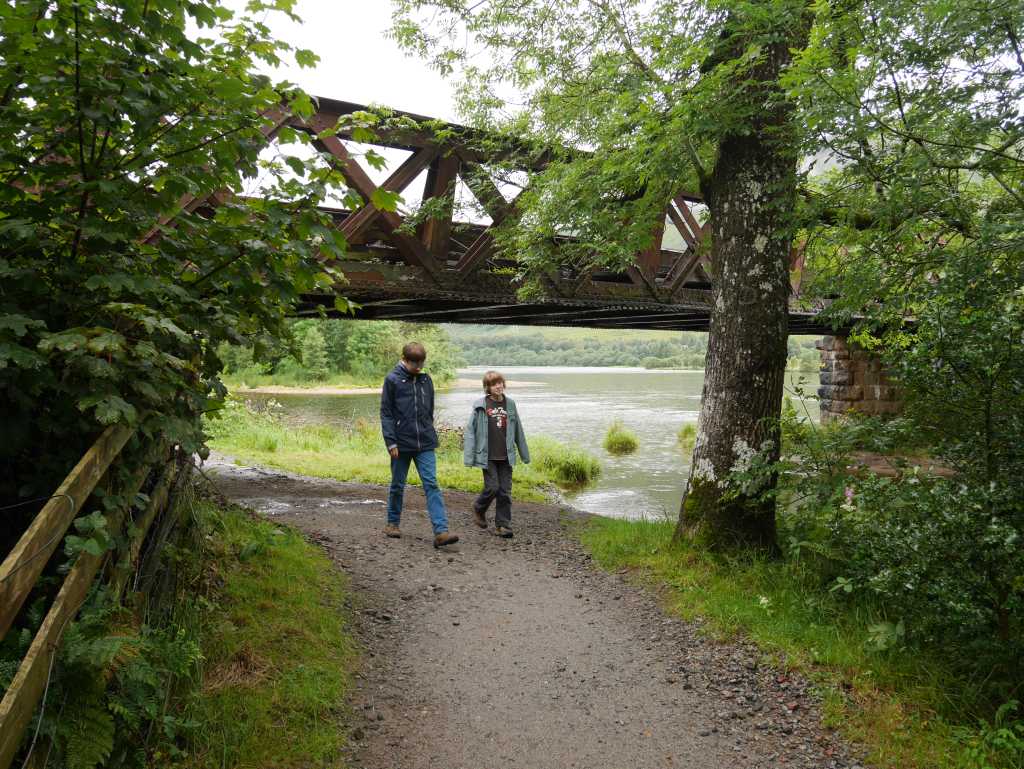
(115, 292)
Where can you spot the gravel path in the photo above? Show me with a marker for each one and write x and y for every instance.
(493, 654)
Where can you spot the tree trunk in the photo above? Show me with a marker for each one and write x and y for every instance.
(751, 194)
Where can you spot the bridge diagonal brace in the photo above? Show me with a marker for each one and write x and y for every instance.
(485, 191)
(582, 279)
(682, 228)
(691, 220)
(702, 265)
(277, 119)
(356, 225)
(479, 250)
(409, 247)
(681, 271)
(640, 277)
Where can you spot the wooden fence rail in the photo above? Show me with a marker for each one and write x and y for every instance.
(23, 566)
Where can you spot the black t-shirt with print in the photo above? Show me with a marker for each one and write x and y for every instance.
(497, 429)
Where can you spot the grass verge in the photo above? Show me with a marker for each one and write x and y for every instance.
(687, 438)
(900, 704)
(277, 651)
(357, 454)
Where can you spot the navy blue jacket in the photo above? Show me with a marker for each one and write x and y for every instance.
(407, 411)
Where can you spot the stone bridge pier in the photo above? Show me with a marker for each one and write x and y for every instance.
(853, 379)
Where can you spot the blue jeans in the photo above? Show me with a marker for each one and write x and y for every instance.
(426, 466)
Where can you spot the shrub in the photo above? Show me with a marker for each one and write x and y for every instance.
(103, 322)
(941, 555)
(619, 440)
(1004, 737)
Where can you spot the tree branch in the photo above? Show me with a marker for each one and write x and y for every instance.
(623, 37)
(702, 174)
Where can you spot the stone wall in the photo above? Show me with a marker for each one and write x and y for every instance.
(852, 379)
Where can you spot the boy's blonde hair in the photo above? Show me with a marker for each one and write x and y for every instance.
(492, 378)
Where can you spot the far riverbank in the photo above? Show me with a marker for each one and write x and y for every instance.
(273, 389)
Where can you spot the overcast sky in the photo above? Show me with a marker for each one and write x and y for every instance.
(358, 62)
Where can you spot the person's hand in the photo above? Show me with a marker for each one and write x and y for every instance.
(393, 451)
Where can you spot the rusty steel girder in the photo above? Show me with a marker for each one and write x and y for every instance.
(444, 270)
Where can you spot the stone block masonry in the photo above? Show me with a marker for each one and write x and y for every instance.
(853, 379)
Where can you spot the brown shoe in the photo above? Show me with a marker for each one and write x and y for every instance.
(445, 538)
(479, 519)
(392, 531)
(503, 532)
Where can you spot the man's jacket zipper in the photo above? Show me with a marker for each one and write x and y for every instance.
(416, 410)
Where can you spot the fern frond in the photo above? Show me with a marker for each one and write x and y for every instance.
(89, 734)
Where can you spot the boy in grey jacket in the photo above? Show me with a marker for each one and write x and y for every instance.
(493, 436)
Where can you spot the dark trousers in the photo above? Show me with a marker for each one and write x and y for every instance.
(497, 485)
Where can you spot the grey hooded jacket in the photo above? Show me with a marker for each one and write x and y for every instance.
(474, 451)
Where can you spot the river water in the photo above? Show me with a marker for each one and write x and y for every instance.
(576, 405)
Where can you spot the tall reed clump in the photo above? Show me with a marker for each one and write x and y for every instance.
(687, 437)
(620, 440)
(568, 465)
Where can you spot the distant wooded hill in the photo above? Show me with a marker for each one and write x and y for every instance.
(540, 346)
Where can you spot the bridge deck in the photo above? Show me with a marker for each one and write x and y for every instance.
(388, 288)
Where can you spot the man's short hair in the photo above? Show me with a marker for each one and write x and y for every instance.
(414, 352)
(492, 378)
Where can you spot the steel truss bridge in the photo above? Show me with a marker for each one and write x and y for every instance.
(444, 271)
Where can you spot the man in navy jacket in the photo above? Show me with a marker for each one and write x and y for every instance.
(407, 421)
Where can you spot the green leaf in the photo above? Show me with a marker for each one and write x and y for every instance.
(385, 200)
(64, 341)
(171, 327)
(22, 357)
(302, 105)
(147, 390)
(296, 165)
(363, 134)
(19, 324)
(109, 409)
(228, 88)
(341, 304)
(93, 547)
(376, 160)
(306, 58)
(106, 342)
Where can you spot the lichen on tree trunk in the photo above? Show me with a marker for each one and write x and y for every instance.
(750, 194)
